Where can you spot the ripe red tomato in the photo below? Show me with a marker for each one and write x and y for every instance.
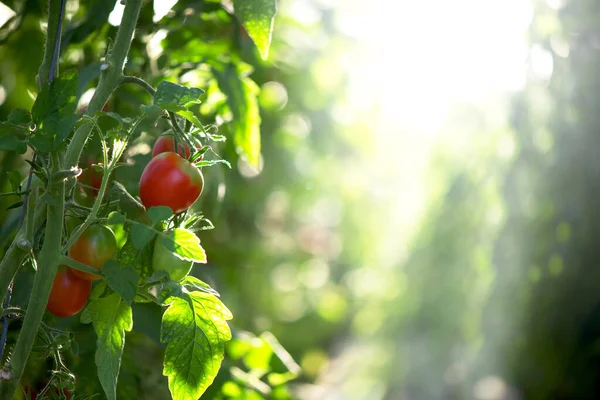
(164, 259)
(172, 181)
(69, 293)
(94, 247)
(166, 143)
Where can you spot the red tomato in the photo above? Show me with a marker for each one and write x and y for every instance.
(166, 143)
(95, 246)
(69, 293)
(172, 181)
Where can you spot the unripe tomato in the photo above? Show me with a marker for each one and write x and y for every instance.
(166, 143)
(164, 259)
(172, 181)
(95, 246)
(69, 293)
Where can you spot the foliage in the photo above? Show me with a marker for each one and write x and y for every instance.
(215, 105)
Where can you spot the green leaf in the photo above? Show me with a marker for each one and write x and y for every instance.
(159, 213)
(190, 116)
(241, 94)
(185, 244)
(19, 116)
(15, 205)
(257, 17)
(111, 317)
(173, 97)
(139, 260)
(123, 280)
(133, 208)
(141, 235)
(86, 75)
(12, 143)
(210, 163)
(14, 178)
(195, 330)
(54, 111)
(192, 283)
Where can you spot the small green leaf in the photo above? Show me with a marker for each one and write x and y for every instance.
(141, 235)
(173, 97)
(111, 317)
(190, 116)
(241, 94)
(19, 116)
(133, 208)
(159, 213)
(191, 282)
(13, 206)
(185, 244)
(257, 17)
(54, 112)
(12, 143)
(195, 330)
(210, 163)
(123, 280)
(14, 178)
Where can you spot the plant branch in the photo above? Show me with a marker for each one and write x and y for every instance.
(140, 82)
(48, 69)
(69, 262)
(110, 79)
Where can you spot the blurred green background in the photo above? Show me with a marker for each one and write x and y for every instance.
(426, 222)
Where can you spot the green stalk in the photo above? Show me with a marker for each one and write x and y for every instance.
(69, 262)
(15, 255)
(52, 37)
(110, 79)
(42, 284)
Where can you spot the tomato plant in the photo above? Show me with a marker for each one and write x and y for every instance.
(63, 230)
(95, 246)
(164, 259)
(69, 293)
(172, 181)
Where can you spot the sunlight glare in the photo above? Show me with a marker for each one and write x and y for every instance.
(6, 13)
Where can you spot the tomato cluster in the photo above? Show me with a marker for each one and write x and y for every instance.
(169, 179)
(71, 287)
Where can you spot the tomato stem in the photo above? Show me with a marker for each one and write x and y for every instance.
(47, 266)
(68, 261)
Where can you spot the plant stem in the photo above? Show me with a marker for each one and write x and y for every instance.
(92, 216)
(47, 71)
(47, 266)
(140, 82)
(14, 256)
(110, 79)
(69, 262)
